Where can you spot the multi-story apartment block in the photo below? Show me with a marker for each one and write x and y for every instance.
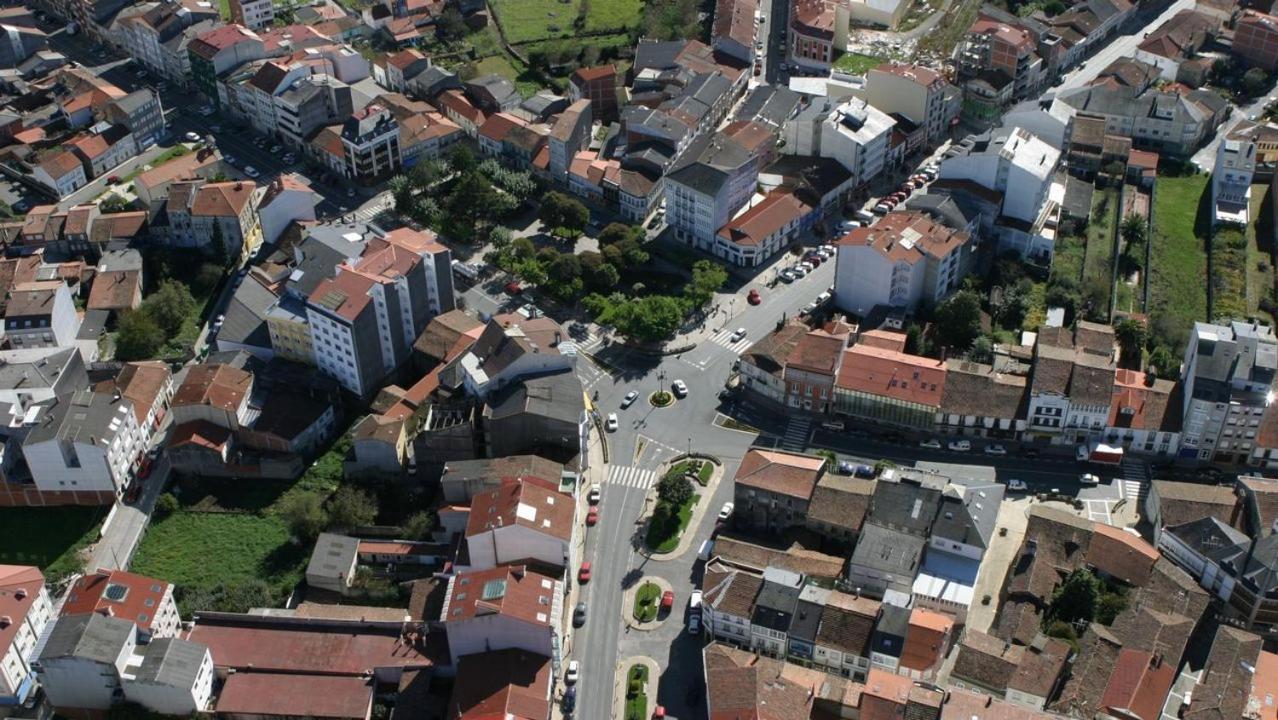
(370, 144)
(567, 136)
(509, 606)
(993, 44)
(1231, 180)
(818, 32)
(1071, 393)
(147, 602)
(309, 103)
(855, 133)
(705, 192)
(905, 258)
(1166, 122)
(1228, 377)
(25, 604)
(1256, 39)
(599, 86)
(156, 34)
(734, 27)
(254, 14)
(40, 314)
(771, 488)
(921, 94)
(364, 320)
(141, 113)
(218, 51)
(85, 443)
(199, 212)
(523, 520)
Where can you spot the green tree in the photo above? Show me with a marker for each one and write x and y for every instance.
(419, 525)
(472, 199)
(523, 248)
(217, 247)
(674, 489)
(616, 232)
(166, 505)
(831, 459)
(1062, 631)
(461, 159)
(1255, 81)
(1133, 232)
(114, 204)
(170, 306)
(707, 278)
(1109, 607)
(401, 189)
(1075, 599)
(351, 507)
(1131, 339)
(651, 318)
(1164, 364)
(982, 349)
(598, 273)
(138, 336)
(958, 320)
(428, 172)
(451, 25)
(560, 212)
(304, 513)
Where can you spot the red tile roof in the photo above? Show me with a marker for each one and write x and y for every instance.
(876, 371)
(513, 591)
(501, 684)
(781, 473)
(907, 237)
(336, 648)
(286, 695)
(926, 640)
(224, 199)
(115, 290)
(519, 502)
(202, 433)
(140, 601)
(817, 352)
(140, 382)
(345, 295)
(754, 226)
(1139, 683)
(1121, 554)
(214, 384)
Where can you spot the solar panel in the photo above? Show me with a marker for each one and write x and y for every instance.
(494, 590)
(115, 592)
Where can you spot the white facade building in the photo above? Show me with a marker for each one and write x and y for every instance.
(1231, 180)
(702, 195)
(84, 442)
(25, 604)
(855, 133)
(903, 259)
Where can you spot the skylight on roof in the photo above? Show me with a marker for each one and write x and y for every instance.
(115, 593)
(494, 590)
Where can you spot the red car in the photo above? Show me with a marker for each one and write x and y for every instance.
(145, 471)
(514, 288)
(667, 599)
(592, 517)
(753, 298)
(583, 576)
(113, 179)
(659, 713)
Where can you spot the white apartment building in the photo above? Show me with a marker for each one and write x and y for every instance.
(370, 141)
(83, 660)
(702, 195)
(855, 133)
(172, 677)
(27, 609)
(1231, 180)
(41, 314)
(84, 442)
(365, 319)
(521, 521)
(255, 14)
(903, 259)
(1228, 378)
(919, 93)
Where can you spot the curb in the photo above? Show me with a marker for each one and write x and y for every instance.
(619, 683)
(628, 603)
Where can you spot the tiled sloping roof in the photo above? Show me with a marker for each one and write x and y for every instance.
(1223, 691)
(847, 623)
(974, 389)
(115, 289)
(908, 378)
(840, 501)
(986, 660)
(1121, 554)
(779, 472)
(1182, 502)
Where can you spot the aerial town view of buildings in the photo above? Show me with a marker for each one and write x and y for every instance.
(638, 359)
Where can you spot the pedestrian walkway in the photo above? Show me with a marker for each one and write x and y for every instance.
(1135, 477)
(797, 432)
(724, 339)
(590, 374)
(630, 476)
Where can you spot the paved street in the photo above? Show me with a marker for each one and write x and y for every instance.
(1120, 46)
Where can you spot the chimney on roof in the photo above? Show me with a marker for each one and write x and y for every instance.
(20, 593)
(5, 621)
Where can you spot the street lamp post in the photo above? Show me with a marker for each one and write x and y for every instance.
(661, 382)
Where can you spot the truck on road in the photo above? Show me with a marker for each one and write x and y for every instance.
(1100, 453)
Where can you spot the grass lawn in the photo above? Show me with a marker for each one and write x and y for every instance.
(1260, 242)
(528, 20)
(613, 14)
(637, 704)
(857, 64)
(646, 604)
(1097, 268)
(703, 473)
(198, 550)
(1178, 276)
(1037, 313)
(1229, 273)
(506, 66)
(1068, 260)
(665, 545)
(49, 538)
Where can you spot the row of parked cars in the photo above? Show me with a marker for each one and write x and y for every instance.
(915, 182)
(811, 260)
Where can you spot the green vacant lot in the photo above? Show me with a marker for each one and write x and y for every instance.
(49, 538)
(1260, 242)
(532, 20)
(199, 550)
(1097, 265)
(857, 64)
(1229, 275)
(1178, 276)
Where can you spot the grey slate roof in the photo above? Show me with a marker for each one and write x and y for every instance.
(774, 606)
(909, 507)
(557, 396)
(1209, 537)
(656, 54)
(332, 555)
(88, 636)
(888, 551)
(245, 322)
(36, 367)
(889, 634)
(324, 248)
(769, 104)
(969, 517)
(171, 661)
(84, 416)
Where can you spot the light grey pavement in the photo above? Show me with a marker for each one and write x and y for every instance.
(1120, 46)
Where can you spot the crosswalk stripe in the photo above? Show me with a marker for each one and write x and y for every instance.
(796, 433)
(631, 476)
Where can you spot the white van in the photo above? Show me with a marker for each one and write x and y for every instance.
(706, 548)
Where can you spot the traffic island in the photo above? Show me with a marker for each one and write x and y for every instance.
(634, 690)
(670, 520)
(641, 604)
(661, 398)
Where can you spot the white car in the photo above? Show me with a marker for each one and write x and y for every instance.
(1089, 479)
(593, 496)
(680, 388)
(192, 137)
(611, 425)
(799, 270)
(959, 445)
(998, 450)
(1017, 485)
(725, 512)
(629, 399)
(930, 444)
(573, 673)
(739, 334)
(251, 171)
